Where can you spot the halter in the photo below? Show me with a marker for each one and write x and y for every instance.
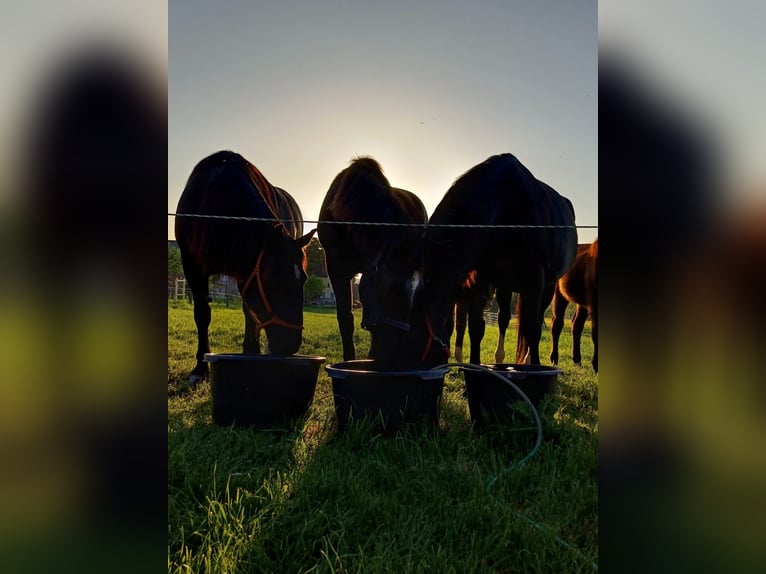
(275, 320)
(431, 338)
(377, 318)
(401, 325)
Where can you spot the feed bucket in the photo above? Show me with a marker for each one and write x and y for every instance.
(390, 399)
(490, 397)
(262, 391)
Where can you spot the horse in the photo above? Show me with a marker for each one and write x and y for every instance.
(362, 193)
(529, 261)
(469, 313)
(579, 285)
(471, 301)
(266, 258)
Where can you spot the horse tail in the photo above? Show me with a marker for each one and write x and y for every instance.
(522, 347)
(593, 251)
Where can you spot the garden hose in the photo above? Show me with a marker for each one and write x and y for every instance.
(538, 443)
(538, 422)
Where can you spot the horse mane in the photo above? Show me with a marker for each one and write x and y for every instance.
(593, 251)
(367, 163)
(360, 167)
(217, 159)
(470, 279)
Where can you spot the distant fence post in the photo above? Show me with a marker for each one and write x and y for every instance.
(490, 318)
(180, 289)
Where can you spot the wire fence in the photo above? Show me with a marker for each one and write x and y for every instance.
(178, 290)
(222, 295)
(383, 223)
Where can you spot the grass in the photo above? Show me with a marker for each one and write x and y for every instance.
(311, 500)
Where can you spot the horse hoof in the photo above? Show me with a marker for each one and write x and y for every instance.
(196, 378)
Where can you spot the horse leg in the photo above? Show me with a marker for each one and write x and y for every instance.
(341, 285)
(252, 342)
(503, 298)
(578, 323)
(476, 328)
(594, 333)
(558, 308)
(461, 321)
(532, 305)
(545, 300)
(199, 288)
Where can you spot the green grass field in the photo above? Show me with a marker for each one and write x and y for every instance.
(241, 500)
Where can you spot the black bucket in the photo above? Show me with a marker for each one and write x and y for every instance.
(489, 397)
(391, 400)
(262, 391)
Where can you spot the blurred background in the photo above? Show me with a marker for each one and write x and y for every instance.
(83, 165)
(682, 142)
(83, 172)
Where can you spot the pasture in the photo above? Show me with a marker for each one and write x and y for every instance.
(312, 501)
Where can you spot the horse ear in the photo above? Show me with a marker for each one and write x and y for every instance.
(303, 241)
(272, 233)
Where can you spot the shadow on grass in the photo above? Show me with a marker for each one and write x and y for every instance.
(365, 501)
(320, 500)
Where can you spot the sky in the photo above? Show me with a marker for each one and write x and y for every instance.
(705, 59)
(428, 88)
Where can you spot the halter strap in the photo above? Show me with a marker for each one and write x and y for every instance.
(432, 337)
(377, 317)
(401, 325)
(274, 320)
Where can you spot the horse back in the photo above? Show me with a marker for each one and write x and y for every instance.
(502, 191)
(579, 283)
(226, 184)
(362, 193)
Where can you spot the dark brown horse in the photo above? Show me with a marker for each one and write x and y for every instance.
(266, 258)
(529, 261)
(472, 299)
(361, 193)
(579, 285)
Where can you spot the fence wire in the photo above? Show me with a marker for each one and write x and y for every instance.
(382, 223)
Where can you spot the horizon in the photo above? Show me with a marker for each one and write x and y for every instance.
(300, 91)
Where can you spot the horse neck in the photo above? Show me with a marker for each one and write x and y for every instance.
(447, 272)
(289, 212)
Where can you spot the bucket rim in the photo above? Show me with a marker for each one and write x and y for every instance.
(337, 372)
(242, 357)
(525, 370)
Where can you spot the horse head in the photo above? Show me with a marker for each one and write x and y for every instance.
(426, 343)
(388, 289)
(409, 322)
(274, 292)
